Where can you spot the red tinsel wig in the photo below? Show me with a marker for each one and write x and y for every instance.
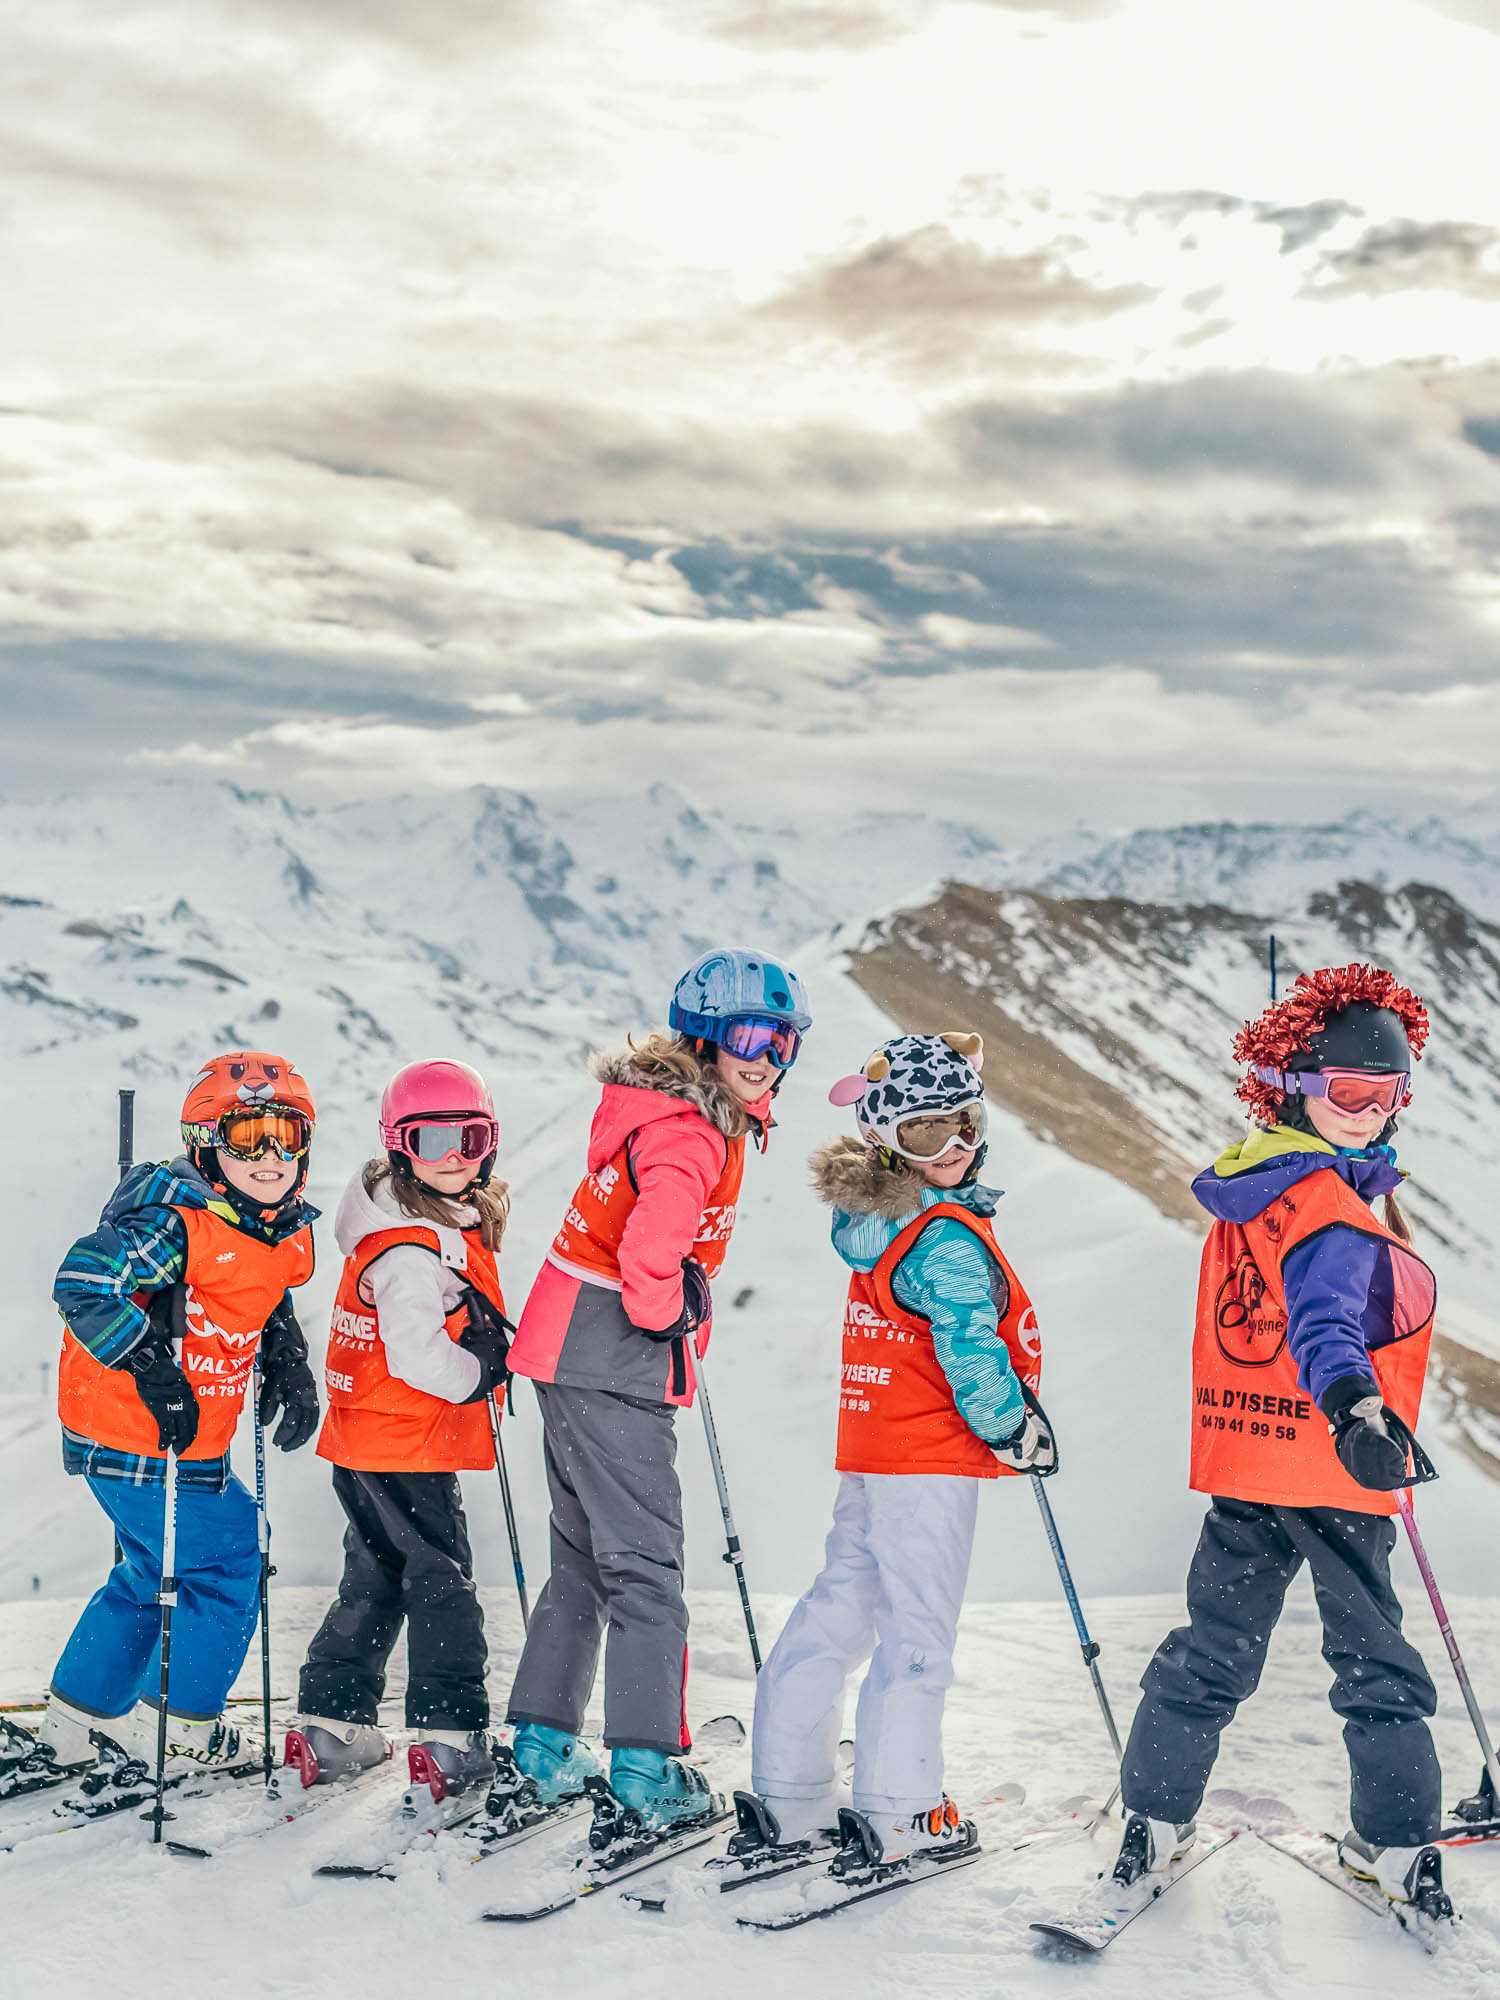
(1289, 1026)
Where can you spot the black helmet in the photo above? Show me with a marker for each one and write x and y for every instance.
(1359, 1036)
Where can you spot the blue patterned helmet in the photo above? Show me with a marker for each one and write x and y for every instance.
(728, 985)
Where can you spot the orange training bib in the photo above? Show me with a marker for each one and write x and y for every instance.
(896, 1409)
(1257, 1434)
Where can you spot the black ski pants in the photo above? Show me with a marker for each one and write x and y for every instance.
(1246, 1557)
(406, 1556)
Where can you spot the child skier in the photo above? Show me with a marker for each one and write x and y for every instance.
(417, 1347)
(611, 1330)
(940, 1351)
(1306, 1304)
(164, 1306)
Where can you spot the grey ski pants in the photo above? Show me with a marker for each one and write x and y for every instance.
(616, 1534)
(1246, 1558)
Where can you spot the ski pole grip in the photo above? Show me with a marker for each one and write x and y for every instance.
(127, 1131)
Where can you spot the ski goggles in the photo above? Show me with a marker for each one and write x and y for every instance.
(250, 1135)
(1348, 1090)
(758, 1035)
(431, 1140)
(931, 1134)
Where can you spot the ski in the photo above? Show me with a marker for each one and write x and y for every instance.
(631, 1854)
(1095, 1925)
(395, 1849)
(1075, 1817)
(829, 1895)
(755, 1865)
(285, 1803)
(131, 1784)
(1318, 1854)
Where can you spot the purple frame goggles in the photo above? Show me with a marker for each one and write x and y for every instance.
(1348, 1090)
(750, 1035)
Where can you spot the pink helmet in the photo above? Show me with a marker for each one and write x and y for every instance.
(434, 1090)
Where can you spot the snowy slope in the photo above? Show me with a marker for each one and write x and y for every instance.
(98, 1911)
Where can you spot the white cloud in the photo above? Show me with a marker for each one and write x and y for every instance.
(425, 353)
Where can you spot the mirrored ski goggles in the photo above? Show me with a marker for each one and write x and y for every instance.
(1347, 1090)
(757, 1035)
(250, 1135)
(932, 1133)
(433, 1140)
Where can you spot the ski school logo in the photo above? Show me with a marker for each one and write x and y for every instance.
(1249, 1333)
(1029, 1333)
(717, 1223)
(349, 1326)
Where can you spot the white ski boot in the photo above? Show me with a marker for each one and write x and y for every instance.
(1151, 1846)
(878, 1839)
(67, 1734)
(774, 1821)
(208, 1740)
(1409, 1875)
(324, 1750)
(68, 1744)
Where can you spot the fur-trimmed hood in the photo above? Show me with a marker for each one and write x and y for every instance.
(849, 1175)
(639, 1089)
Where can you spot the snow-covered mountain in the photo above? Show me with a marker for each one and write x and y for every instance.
(1109, 1021)
(136, 931)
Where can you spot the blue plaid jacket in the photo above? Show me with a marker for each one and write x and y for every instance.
(140, 1245)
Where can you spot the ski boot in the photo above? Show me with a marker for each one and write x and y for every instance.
(62, 1747)
(207, 1740)
(658, 1793)
(1150, 1847)
(1479, 1808)
(324, 1750)
(556, 1763)
(768, 1821)
(1410, 1876)
(871, 1841)
(451, 1771)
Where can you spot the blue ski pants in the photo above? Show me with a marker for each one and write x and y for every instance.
(112, 1658)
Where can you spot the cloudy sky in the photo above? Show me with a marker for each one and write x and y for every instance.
(1051, 410)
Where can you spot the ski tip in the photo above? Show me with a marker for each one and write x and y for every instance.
(185, 1851)
(527, 1916)
(353, 1871)
(1062, 1939)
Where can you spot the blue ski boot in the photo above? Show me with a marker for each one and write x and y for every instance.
(663, 1792)
(556, 1763)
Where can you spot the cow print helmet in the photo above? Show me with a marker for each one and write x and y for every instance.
(908, 1075)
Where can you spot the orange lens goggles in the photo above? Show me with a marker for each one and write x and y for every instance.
(250, 1135)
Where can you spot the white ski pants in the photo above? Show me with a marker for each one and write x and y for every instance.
(892, 1585)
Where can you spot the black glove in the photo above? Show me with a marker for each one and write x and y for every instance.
(697, 1305)
(1363, 1433)
(286, 1382)
(487, 1338)
(159, 1380)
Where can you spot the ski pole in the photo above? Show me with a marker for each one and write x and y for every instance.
(166, 1597)
(267, 1571)
(733, 1553)
(125, 1161)
(1090, 1647)
(1460, 1671)
(510, 1512)
(127, 1132)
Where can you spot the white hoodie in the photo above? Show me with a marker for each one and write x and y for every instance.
(413, 1291)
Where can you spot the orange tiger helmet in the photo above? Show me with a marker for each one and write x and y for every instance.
(243, 1080)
